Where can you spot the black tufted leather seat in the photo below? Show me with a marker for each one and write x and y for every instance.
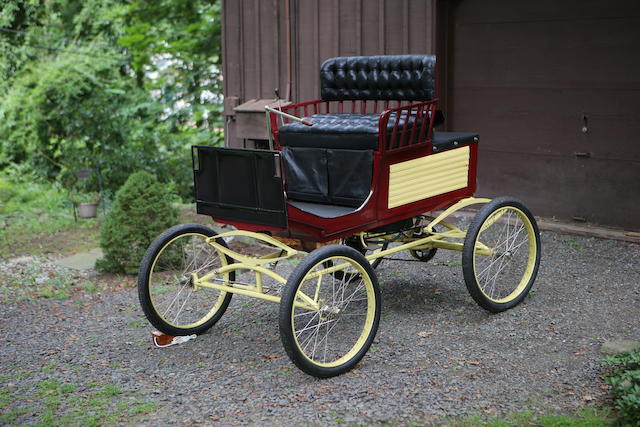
(332, 161)
(390, 77)
(349, 131)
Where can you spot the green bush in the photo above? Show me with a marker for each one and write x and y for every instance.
(142, 209)
(625, 386)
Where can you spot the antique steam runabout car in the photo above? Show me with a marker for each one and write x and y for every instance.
(351, 176)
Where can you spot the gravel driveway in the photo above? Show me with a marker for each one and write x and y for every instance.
(436, 354)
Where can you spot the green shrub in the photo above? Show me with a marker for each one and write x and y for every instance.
(625, 385)
(142, 209)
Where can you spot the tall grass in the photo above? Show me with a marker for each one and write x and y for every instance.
(30, 208)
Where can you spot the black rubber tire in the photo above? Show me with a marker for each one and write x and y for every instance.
(286, 307)
(468, 268)
(424, 256)
(143, 281)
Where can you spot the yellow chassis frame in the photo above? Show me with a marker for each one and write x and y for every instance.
(259, 264)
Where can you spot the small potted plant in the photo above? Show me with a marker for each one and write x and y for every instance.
(86, 203)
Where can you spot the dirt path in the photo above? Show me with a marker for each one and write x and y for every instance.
(436, 354)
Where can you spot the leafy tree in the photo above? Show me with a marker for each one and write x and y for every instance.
(179, 43)
(116, 84)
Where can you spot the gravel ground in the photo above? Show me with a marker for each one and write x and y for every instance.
(437, 354)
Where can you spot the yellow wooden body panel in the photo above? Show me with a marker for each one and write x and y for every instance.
(428, 176)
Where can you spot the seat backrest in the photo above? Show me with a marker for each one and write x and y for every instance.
(386, 78)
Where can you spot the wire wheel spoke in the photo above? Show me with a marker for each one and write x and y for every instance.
(174, 296)
(502, 249)
(343, 316)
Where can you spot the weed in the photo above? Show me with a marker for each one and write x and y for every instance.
(56, 287)
(143, 408)
(454, 264)
(624, 380)
(287, 370)
(574, 244)
(48, 367)
(90, 287)
(5, 397)
(136, 324)
(55, 403)
(589, 417)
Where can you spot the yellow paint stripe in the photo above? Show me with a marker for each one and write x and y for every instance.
(432, 186)
(417, 180)
(433, 169)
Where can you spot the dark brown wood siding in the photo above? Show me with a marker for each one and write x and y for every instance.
(529, 76)
(255, 50)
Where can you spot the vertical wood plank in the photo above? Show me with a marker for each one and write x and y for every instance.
(259, 48)
(382, 45)
(370, 29)
(405, 26)
(359, 27)
(335, 27)
(348, 22)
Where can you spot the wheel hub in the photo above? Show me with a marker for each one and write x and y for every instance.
(329, 312)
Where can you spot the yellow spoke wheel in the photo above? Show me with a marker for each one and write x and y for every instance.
(501, 254)
(168, 296)
(327, 320)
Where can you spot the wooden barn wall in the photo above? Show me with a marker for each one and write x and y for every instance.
(553, 89)
(255, 48)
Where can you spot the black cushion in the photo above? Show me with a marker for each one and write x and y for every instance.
(447, 140)
(391, 77)
(342, 130)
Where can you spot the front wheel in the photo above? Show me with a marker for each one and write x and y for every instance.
(501, 254)
(328, 321)
(169, 298)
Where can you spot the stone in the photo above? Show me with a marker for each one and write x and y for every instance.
(82, 261)
(619, 346)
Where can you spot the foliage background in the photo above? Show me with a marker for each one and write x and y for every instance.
(117, 85)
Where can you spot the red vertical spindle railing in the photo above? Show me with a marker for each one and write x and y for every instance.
(315, 108)
(306, 111)
(426, 119)
(375, 107)
(383, 125)
(341, 107)
(392, 142)
(415, 125)
(386, 105)
(353, 106)
(404, 126)
(363, 107)
(432, 108)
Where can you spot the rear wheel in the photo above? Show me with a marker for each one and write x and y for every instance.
(168, 296)
(501, 254)
(328, 321)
